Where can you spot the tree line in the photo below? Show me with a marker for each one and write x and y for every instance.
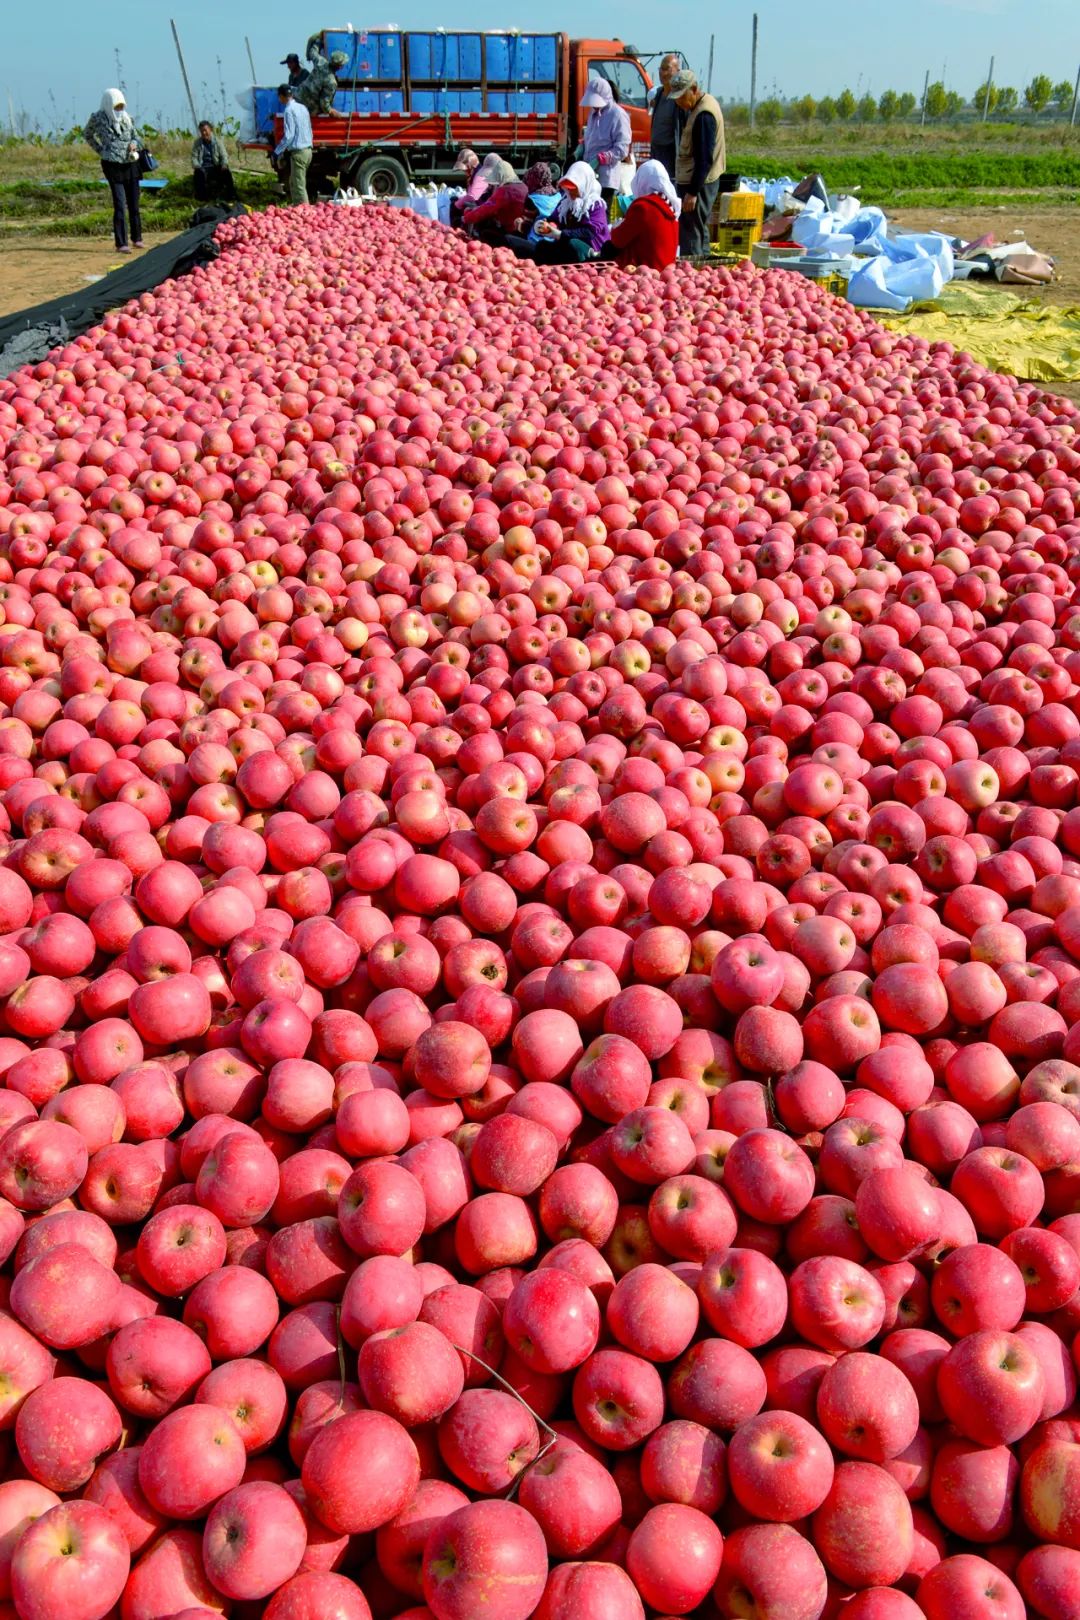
(1042, 95)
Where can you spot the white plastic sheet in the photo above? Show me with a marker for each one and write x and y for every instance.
(888, 282)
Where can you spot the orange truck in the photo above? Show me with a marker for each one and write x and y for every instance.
(406, 102)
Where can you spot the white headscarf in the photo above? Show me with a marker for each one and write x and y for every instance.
(583, 176)
(496, 171)
(113, 102)
(653, 180)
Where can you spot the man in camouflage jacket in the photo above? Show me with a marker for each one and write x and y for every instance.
(318, 88)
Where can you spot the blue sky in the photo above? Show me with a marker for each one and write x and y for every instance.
(820, 48)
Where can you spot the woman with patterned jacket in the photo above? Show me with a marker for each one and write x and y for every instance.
(111, 134)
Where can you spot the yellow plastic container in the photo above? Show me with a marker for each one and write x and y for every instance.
(743, 205)
(736, 236)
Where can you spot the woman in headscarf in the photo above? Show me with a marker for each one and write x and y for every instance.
(542, 201)
(649, 233)
(578, 228)
(467, 164)
(605, 141)
(111, 134)
(499, 214)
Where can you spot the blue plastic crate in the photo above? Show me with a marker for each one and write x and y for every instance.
(356, 101)
(471, 101)
(544, 103)
(390, 56)
(419, 48)
(522, 59)
(361, 61)
(425, 102)
(497, 50)
(444, 56)
(266, 109)
(497, 102)
(390, 101)
(547, 59)
(470, 58)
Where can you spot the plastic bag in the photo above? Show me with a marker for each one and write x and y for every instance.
(348, 197)
(447, 195)
(426, 204)
(886, 283)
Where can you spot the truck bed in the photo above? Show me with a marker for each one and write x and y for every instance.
(485, 131)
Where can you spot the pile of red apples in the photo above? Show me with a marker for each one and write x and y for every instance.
(539, 952)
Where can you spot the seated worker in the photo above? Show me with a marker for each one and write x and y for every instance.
(210, 170)
(542, 201)
(498, 215)
(578, 228)
(467, 165)
(649, 233)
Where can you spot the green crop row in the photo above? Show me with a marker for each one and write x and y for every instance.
(881, 173)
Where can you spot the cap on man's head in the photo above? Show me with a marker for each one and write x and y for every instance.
(338, 59)
(287, 61)
(681, 82)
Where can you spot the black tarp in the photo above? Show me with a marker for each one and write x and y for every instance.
(27, 336)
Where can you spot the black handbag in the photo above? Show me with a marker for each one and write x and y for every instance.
(147, 161)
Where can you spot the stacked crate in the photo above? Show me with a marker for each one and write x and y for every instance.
(510, 75)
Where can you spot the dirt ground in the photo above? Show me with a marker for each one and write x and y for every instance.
(1052, 230)
(34, 269)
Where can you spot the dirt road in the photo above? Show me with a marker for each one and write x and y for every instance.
(34, 269)
(1052, 230)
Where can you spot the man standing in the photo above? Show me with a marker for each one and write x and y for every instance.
(667, 119)
(297, 73)
(700, 162)
(319, 87)
(295, 144)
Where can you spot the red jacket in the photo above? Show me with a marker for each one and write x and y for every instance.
(503, 206)
(649, 235)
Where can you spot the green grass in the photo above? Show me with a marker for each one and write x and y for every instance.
(882, 174)
(80, 207)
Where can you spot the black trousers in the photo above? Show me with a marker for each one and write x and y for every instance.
(694, 222)
(123, 181)
(214, 184)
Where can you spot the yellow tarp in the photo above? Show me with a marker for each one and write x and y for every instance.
(1008, 330)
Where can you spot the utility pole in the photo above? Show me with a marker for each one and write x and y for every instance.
(989, 91)
(753, 71)
(925, 90)
(184, 73)
(712, 47)
(1076, 98)
(251, 59)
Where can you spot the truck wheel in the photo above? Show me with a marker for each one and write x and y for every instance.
(381, 177)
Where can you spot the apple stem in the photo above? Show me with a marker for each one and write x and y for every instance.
(340, 1360)
(552, 1436)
